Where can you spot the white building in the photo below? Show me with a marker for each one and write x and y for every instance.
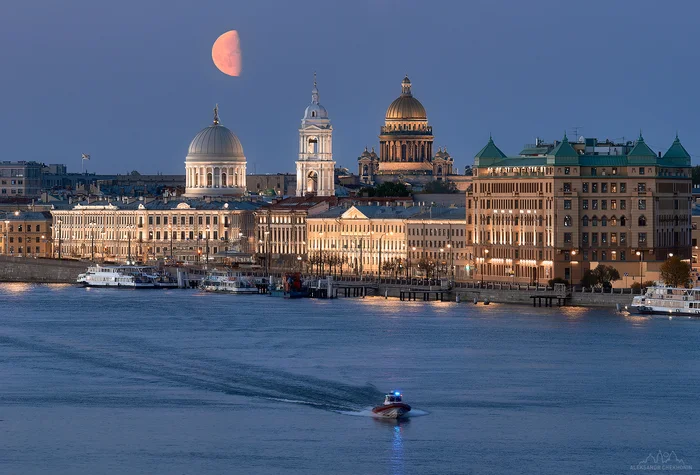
(315, 167)
(215, 163)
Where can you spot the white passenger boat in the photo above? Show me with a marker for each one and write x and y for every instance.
(127, 277)
(228, 282)
(663, 300)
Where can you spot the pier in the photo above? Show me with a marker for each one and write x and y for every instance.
(412, 294)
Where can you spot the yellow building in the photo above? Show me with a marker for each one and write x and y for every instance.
(557, 210)
(25, 234)
(140, 231)
(357, 239)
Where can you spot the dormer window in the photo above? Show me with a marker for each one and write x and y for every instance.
(313, 114)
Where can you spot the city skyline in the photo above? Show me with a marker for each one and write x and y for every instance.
(136, 101)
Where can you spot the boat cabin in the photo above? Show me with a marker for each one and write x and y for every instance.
(393, 398)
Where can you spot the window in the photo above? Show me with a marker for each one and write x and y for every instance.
(157, 219)
(642, 221)
(604, 221)
(567, 220)
(603, 238)
(567, 187)
(567, 204)
(604, 256)
(614, 172)
(642, 204)
(595, 204)
(623, 221)
(641, 187)
(622, 256)
(567, 170)
(642, 238)
(613, 238)
(165, 220)
(641, 170)
(594, 221)
(594, 255)
(199, 220)
(594, 187)
(585, 187)
(585, 220)
(584, 204)
(623, 187)
(623, 204)
(567, 238)
(567, 257)
(594, 238)
(150, 220)
(594, 171)
(603, 187)
(613, 221)
(603, 204)
(584, 238)
(613, 187)
(613, 204)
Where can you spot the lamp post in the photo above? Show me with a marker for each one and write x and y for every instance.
(267, 252)
(60, 241)
(199, 249)
(170, 229)
(207, 263)
(410, 268)
(452, 263)
(442, 255)
(486, 251)
(43, 245)
(641, 255)
(7, 244)
(92, 241)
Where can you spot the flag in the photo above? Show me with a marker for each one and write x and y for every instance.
(86, 156)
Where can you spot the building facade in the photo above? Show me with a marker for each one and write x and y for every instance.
(215, 164)
(437, 245)
(142, 231)
(25, 234)
(20, 179)
(315, 166)
(557, 210)
(360, 239)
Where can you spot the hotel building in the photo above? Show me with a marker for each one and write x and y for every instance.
(557, 210)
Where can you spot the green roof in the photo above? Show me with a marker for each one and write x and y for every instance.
(535, 151)
(564, 150)
(641, 149)
(603, 161)
(490, 151)
(677, 151)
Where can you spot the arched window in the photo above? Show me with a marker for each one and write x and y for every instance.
(196, 179)
(613, 221)
(623, 220)
(594, 221)
(604, 221)
(210, 180)
(585, 220)
(223, 179)
(567, 220)
(642, 221)
(365, 170)
(539, 221)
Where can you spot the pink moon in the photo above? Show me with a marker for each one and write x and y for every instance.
(226, 53)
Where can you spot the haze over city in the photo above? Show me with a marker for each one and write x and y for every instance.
(75, 80)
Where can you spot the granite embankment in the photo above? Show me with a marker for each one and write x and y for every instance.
(34, 270)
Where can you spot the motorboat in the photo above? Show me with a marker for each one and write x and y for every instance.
(291, 287)
(125, 277)
(228, 282)
(393, 407)
(664, 300)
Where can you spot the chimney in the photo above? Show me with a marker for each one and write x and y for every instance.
(659, 154)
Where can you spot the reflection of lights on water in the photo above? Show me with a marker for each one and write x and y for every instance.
(397, 451)
(574, 313)
(17, 287)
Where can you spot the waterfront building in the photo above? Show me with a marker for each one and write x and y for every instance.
(557, 210)
(437, 245)
(280, 234)
(272, 184)
(144, 230)
(405, 145)
(215, 164)
(315, 165)
(25, 234)
(20, 179)
(357, 239)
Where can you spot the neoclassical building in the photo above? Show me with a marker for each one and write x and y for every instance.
(315, 166)
(405, 144)
(215, 163)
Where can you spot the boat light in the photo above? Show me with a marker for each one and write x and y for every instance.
(396, 393)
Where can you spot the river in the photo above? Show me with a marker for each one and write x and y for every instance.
(100, 381)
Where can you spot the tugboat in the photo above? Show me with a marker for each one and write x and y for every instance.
(393, 407)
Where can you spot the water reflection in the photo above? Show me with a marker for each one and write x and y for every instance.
(397, 428)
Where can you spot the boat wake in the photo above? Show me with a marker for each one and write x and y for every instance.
(367, 412)
(139, 373)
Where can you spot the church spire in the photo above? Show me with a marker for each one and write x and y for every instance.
(216, 114)
(314, 91)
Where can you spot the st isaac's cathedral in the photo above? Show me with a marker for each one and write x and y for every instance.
(405, 146)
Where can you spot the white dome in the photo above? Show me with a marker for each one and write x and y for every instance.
(315, 111)
(216, 141)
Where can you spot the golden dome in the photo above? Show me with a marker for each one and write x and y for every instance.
(406, 107)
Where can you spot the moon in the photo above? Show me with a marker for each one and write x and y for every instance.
(226, 53)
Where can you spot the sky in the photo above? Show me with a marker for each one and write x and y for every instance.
(132, 82)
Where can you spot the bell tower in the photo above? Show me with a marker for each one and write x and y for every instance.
(315, 166)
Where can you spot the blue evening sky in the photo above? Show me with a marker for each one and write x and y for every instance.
(131, 82)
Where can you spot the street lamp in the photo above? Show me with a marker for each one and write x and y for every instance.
(452, 263)
(170, 229)
(207, 263)
(7, 244)
(267, 252)
(92, 241)
(43, 244)
(641, 255)
(442, 255)
(670, 254)
(59, 237)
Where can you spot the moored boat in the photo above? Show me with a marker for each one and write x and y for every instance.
(228, 282)
(393, 407)
(665, 300)
(125, 277)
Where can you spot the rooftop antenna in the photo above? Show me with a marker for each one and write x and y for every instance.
(575, 129)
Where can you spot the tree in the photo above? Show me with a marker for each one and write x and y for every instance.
(589, 279)
(386, 189)
(427, 266)
(675, 272)
(605, 275)
(439, 186)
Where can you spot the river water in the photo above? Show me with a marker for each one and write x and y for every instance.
(97, 381)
